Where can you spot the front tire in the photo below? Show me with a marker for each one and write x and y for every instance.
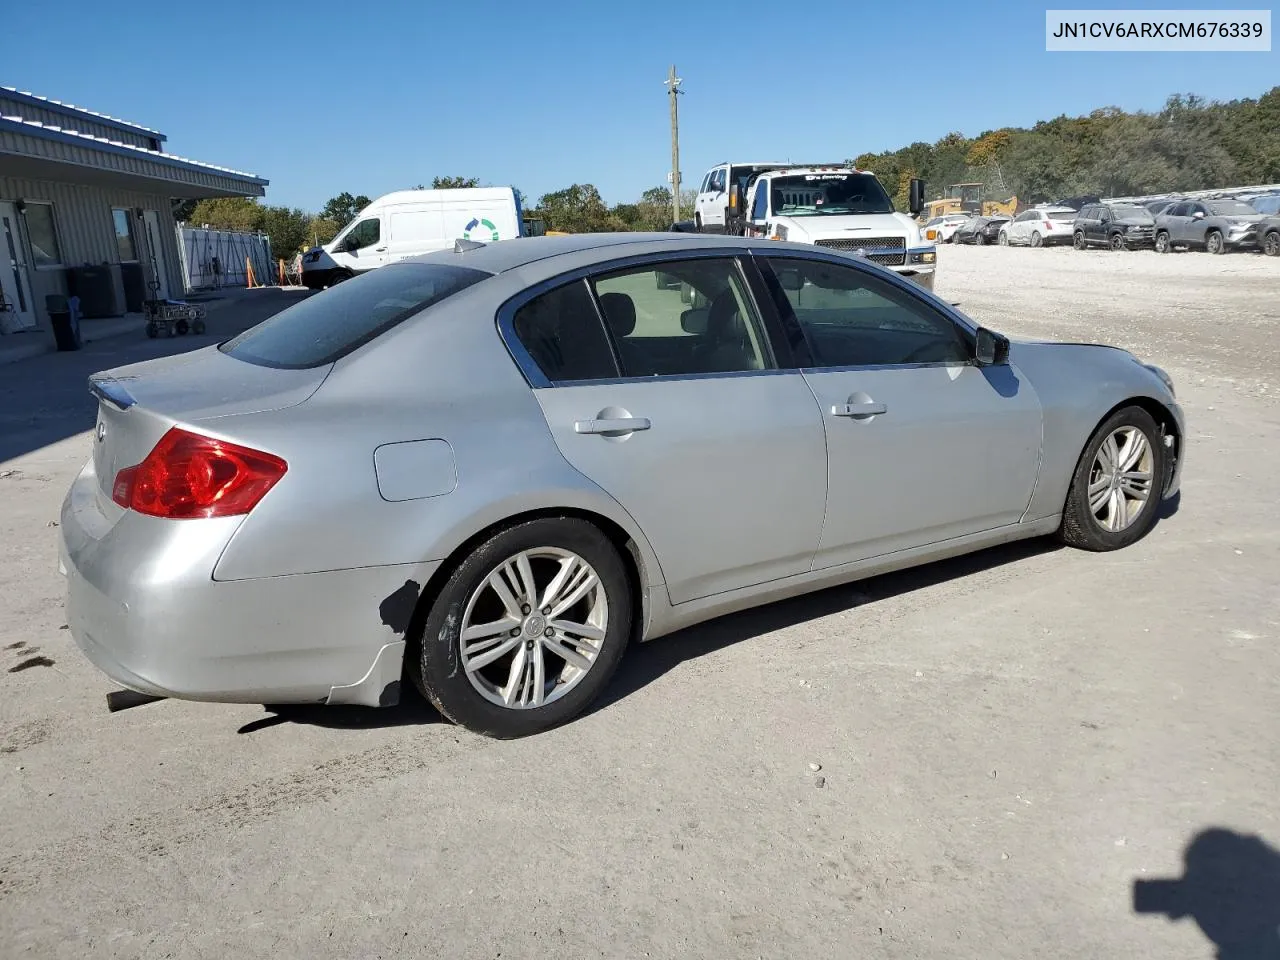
(1117, 242)
(1214, 243)
(1078, 241)
(1271, 244)
(1004, 238)
(1164, 244)
(528, 630)
(980, 239)
(1115, 491)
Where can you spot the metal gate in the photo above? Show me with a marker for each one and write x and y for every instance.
(217, 258)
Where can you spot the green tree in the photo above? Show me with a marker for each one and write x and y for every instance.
(289, 229)
(343, 208)
(577, 209)
(228, 213)
(453, 183)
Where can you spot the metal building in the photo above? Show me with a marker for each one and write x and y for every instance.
(86, 209)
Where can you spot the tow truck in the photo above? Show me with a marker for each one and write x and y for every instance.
(838, 207)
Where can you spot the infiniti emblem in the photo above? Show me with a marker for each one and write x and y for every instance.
(102, 432)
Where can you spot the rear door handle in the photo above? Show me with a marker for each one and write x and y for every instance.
(858, 409)
(379, 249)
(617, 425)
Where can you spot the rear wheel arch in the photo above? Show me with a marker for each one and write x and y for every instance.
(628, 551)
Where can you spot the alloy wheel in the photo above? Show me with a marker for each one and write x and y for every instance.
(1121, 479)
(534, 628)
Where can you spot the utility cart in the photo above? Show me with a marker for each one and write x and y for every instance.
(173, 317)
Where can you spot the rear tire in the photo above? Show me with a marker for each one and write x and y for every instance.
(1110, 507)
(1271, 244)
(1078, 241)
(980, 239)
(1004, 238)
(1036, 239)
(471, 695)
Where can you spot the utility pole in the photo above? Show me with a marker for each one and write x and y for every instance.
(673, 82)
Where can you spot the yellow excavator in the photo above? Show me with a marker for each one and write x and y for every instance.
(967, 198)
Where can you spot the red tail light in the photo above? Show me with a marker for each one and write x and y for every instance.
(1048, 224)
(188, 476)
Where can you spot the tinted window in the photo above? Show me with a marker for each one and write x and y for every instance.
(1230, 208)
(828, 194)
(657, 333)
(851, 318)
(364, 234)
(329, 325)
(1177, 210)
(759, 209)
(563, 334)
(1131, 212)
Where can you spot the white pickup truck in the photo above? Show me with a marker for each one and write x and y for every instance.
(833, 206)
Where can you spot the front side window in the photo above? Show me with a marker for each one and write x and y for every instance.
(327, 326)
(364, 234)
(657, 333)
(124, 236)
(828, 194)
(851, 318)
(718, 181)
(706, 181)
(42, 232)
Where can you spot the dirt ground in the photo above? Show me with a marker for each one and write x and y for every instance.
(969, 760)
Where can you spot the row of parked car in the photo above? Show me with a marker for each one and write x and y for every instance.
(1216, 225)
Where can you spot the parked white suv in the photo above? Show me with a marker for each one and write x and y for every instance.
(1040, 227)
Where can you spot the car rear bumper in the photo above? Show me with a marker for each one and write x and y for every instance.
(144, 608)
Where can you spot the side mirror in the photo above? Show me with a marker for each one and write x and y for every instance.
(915, 196)
(991, 348)
(1198, 215)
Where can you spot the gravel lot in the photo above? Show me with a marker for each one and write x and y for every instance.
(1006, 742)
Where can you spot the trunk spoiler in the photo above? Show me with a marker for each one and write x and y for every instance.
(110, 390)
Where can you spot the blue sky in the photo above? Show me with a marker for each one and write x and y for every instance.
(332, 95)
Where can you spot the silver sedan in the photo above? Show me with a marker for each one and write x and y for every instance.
(488, 470)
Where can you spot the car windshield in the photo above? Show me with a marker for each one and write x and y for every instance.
(326, 326)
(1230, 208)
(1124, 212)
(825, 194)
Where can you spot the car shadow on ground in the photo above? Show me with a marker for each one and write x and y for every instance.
(1230, 887)
(412, 710)
(646, 662)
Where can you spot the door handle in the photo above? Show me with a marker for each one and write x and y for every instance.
(379, 249)
(615, 425)
(858, 410)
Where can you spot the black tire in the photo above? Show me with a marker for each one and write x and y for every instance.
(1080, 528)
(337, 276)
(152, 331)
(1163, 242)
(980, 239)
(1271, 243)
(1036, 239)
(1116, 242)
(440, 676)
(182, 327)
(697, 222)
(1078, 240)
(1214, 243)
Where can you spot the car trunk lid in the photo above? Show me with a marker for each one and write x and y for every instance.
(138, 403)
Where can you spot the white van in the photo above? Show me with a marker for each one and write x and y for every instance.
(408, 223)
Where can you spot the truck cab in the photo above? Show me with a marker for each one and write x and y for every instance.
(841, 208)
(710, 209)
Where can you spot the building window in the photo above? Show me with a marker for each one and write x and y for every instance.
(43, 235)
(124, 236)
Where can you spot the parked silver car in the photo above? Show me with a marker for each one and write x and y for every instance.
(1213, 225)
(490, 469)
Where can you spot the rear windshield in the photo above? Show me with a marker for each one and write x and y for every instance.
(1062, 215)
(327, 326)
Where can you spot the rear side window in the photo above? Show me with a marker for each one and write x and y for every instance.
(327, 326)
(564, 335)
